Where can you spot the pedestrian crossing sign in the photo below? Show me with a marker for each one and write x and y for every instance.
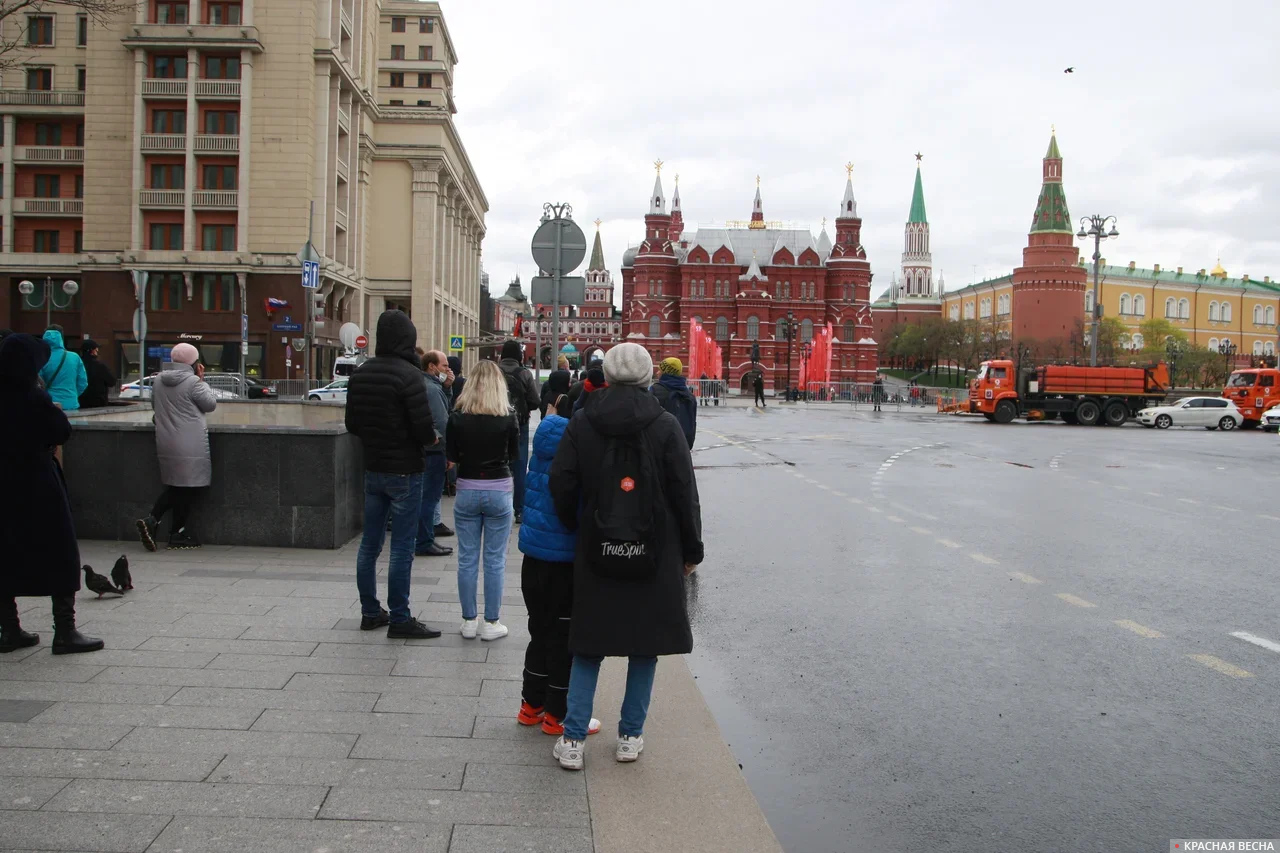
(457, 343)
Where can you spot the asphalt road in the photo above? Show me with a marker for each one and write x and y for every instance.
(920, 632)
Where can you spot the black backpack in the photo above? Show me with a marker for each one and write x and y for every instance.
(622, 540)
(516, 393)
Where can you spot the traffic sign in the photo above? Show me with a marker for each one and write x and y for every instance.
(286, 327)
(564, 255)
(310, 274)
(244, 327)
(457, 343)
(361, 342)
(573, 290)
(139, 324)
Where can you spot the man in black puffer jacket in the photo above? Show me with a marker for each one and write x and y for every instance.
(387, 409)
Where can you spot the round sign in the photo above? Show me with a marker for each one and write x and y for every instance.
(361, 342)
(573, 246)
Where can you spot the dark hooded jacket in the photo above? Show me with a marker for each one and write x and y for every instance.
(557, 383)
(626, 617)
(101, 380)
(37, 539)
(455, 364)
(387, 405)
(674, 395)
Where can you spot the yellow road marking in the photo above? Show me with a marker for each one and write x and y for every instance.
(949, 543)
(1268, 517)
(1222, 666)
(922, 530)
(1025, 578)
(1071, 599)
(838, 493)
(824, 488)
(895, 518)
(983, 558)
(1158, 495)
(853, 500)
(1122, 488)
(1140, 630)
(1188, 501)
(1224, 508)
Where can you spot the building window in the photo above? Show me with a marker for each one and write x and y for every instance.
(722, 328)
(169, 121)
(426, 25)
(220, 177)
(1257, 347)
(222, 122)
(1170, 308)
(169, 67)
(424, 81)
(218, 238)
(171, 12)
(1088, 302)
(48, 186)
(1213, 344)
(40, 30)
(219, 291)
(1140, 306)
(1136, 340)
(166, 236)
(223, 13)
(1269, 348)
(1184, 309)
(222, 67)
(849, 330)
(82, 30)
(79, 186)
(426, 52)
(955, 311)
(48, 133)
(397, 25)
(986, 308)
(1225, 313)
(1213, 312)
(168, 176)
(753, 328)
(806, 330)
(1257, 315)
(397, 80)
(46, 242)
(165, 289)
(655, 326)
(79, 242)
(81, 78)
(39, 79)
(396, 103)
(1270, 315)
(1124, 304)
(397, 51)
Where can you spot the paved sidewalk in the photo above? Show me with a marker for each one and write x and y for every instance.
(238, 707)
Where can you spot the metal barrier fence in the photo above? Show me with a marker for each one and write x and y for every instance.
(866, 395)
(710, 392)
(296, 389)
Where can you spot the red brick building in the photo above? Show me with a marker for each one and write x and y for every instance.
(745, 284)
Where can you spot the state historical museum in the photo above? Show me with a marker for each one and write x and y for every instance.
(745, 284)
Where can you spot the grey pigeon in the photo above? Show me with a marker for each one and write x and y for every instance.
(120, 574)
(98, 583)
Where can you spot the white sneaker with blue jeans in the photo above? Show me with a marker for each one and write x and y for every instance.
(635, 701)
(482, 521)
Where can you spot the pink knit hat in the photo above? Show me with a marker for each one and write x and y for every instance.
(184, 354)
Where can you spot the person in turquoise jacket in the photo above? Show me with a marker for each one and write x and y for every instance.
(63, 375)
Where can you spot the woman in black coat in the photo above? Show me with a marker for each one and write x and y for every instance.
(635, 611)
(38, 550)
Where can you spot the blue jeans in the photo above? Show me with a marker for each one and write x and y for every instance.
(432, 488)
(582, 695)
(400, 497)
(521, 467)
(477, 512)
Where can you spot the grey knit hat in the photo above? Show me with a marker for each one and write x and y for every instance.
(628, 364)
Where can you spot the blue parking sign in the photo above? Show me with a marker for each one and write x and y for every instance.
(311, 274)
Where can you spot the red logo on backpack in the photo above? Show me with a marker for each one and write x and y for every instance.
(628, 484)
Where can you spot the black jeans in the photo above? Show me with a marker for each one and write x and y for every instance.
(760, 396)
(176, 498)
(548, 596)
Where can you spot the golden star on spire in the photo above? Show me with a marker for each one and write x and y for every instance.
(598, 224)
(848, 168)
(757, 180)
(657, 164)
(677, 179)
(1053, 131)
(919, 157)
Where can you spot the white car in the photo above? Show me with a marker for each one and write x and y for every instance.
(142, 390)
(1207, 412)
(334, 392)
(1271, 420)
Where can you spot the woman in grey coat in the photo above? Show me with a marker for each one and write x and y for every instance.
(181, 399)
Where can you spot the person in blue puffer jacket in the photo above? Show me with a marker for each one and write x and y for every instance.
(546, 579)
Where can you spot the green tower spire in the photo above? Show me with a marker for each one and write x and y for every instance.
(1051, 213)
(917, 199)
(597, 254)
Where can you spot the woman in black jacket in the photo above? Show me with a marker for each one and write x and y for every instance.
(38, 550)
(632, 555)
(482, 441)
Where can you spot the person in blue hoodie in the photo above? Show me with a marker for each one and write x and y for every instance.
(546, 579)
(63, 375)
(672, 391)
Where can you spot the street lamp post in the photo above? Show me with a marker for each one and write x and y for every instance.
(537, 350)
(1097, 229)
(806, 352)
(1229, 351)
(49, 299)
(790, 337)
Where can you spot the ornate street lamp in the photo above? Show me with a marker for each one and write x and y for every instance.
(1096, 227)
(1228, 350)
(49, 299)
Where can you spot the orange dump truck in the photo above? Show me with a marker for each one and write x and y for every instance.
(1254, 391)
(1078, 395)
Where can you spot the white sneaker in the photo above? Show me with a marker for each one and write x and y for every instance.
(629, 748)
(569, 753)
(493, 631)
(469, 628)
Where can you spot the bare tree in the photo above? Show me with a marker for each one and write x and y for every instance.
(14, 35)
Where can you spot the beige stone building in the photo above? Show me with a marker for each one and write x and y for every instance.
(201, 141)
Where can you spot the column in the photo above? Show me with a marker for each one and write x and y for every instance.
(193, 127)
(424, 251)
(246, 148)
(246, 12)
(139, 128)
(6, 204)
(329, 247)
(322, 180)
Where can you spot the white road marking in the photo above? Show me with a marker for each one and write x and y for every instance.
(948, 543)
(1269, 645)
(1075, 600)
(923, 531)
(875, 509)
(1094, 482)
(1158, 495)
(1188, 501)
(1268, 517)
(927, 517)
(895, 518)
(838, 493)
(823, 487)
(1025, 578)
(983, 558)
(1224, 508)
(1122, 488)
(854, 500)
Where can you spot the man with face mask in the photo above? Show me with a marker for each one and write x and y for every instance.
(436, 373)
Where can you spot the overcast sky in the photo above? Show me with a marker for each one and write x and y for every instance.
(1169, 122)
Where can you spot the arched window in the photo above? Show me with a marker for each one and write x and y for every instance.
(1226, 342)
(1270, 315)
(1088, 302)
(849, 331)
(1212, 344)
(1136, 340)
(1140, 305)
(1257, 347)
(1170, 308)
(1184, 309)
(1213, 312)
(722, 328)
(781, 333)
(1257, 316)
(955, 310)
(1224, 314)
(806, 330)
(753, 328)
(986, 307)
(1269, 348)
(786, 290)
(1125, 303)
(655, 326)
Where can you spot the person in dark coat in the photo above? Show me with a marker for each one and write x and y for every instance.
(101, 379)
(614, 617)
(758, 384)
(877, 393)
(556, 384)
(39, 554)
(672, 391)
(594, 381)
(522, 390)
(387, 409)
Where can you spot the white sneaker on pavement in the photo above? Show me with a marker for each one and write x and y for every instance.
(629, 748)
(493, 631)
(469, 628)
(569, 753)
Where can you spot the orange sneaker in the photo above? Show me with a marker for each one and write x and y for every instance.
(529, 715)
(552, 726)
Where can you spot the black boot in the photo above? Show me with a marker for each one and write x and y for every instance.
(12, 637)
(66, 639)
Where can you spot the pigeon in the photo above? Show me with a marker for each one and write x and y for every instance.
(98, 583)
(120, 574)
(1071, 70)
